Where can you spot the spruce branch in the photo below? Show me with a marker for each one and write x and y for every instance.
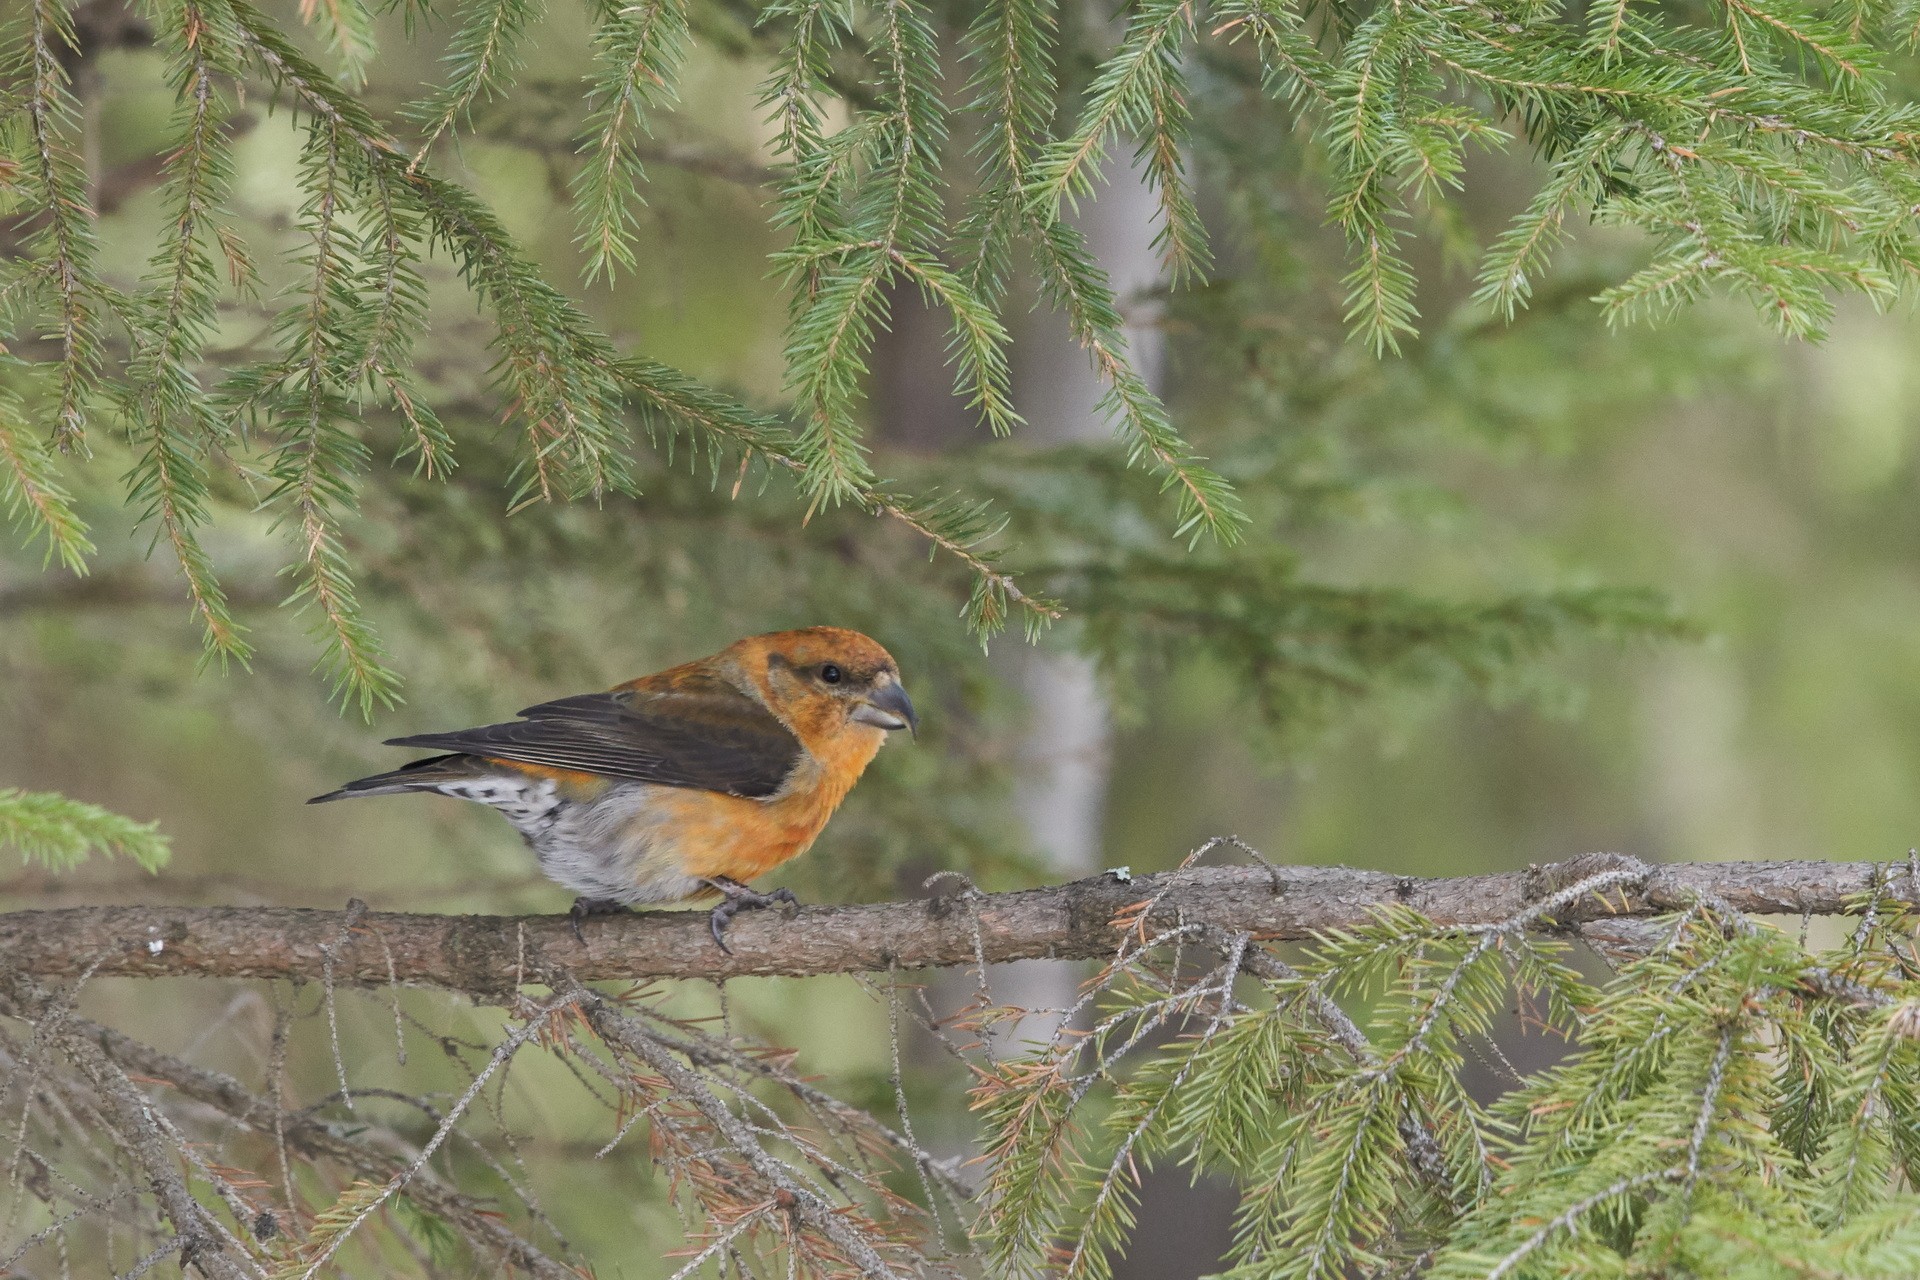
(639, 49)
(1109, 1217)
(301, 1133)
(382, 369)
(1508, 271)
(31, 490)
(1204, 502)
(1139, 90)
(1013, 42)
(1572, 1216)
(888, 214)
(1292, 65)
(1861, 1150)
(527, 310)
(979, 340)
(1663, 1116)
(1013, 84)
(175, 422)
(553, 366)
(315, 464)
(856, 1246)
(801, 73)
(336, 1224)
(65, 244)
(480, 58)
(955, 526)
(347, 26)
(205, 1243)
(1770, 157)
(60, 833)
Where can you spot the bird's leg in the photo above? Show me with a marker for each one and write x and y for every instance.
(735, 898)
(584, 906)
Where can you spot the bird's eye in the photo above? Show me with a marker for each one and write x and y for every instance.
(830, 674)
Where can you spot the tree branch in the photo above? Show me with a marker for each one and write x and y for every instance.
(1070, 921)
(143, 1138)
(103, 1050)
(807, 1204)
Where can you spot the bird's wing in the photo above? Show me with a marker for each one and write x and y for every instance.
(706, 735)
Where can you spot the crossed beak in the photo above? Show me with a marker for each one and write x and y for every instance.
(888, 707)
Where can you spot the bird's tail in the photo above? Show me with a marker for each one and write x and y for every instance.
(422, 775)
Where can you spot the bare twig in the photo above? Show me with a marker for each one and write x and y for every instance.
(306, 1135)
(502, 1053)
(804, 1202)
(158, 1157)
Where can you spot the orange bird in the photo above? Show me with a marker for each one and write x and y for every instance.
(682, 784)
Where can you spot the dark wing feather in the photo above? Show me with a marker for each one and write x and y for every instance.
(712, 738)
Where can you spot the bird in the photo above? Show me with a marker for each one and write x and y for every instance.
(682, 784)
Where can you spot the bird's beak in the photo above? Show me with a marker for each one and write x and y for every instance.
(888, 707)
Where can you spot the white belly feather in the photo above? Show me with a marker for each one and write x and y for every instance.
(601, 849)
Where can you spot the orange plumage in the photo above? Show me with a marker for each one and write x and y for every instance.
(684, 783)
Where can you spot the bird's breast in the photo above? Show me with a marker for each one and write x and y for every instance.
(705, 833)
(709, 834)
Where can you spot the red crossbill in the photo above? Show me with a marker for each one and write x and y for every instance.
(682, 784)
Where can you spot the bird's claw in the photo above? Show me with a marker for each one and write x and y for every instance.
(735, 898)
(584, 907)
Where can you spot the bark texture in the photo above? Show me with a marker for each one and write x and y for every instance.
(1069, 921)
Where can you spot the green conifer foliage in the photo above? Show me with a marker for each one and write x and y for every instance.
(1762, 148)
(59, 833)
(1728, 1103)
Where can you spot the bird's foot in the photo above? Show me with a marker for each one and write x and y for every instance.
(735, 898)
(584, 907)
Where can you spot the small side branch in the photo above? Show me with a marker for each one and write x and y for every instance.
(803, 1201)
(142, 1136)
(117, 1057)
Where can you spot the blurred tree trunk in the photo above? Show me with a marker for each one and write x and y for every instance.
(1063, 756)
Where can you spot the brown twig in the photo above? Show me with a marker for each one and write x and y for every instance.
(801, 1200)
(121, 1056)
(141, 1135)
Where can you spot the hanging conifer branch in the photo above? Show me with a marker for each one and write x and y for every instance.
(1770, 158)
(381, 371)
(172, 315)
(30, 484)
(1140, 91)
(66, 239)
(316, 462)
(480, 58)
(640, 50)
(347, 26)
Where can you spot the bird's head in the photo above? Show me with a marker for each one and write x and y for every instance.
(822, 680)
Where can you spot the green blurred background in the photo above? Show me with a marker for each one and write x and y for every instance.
(1767, 488)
